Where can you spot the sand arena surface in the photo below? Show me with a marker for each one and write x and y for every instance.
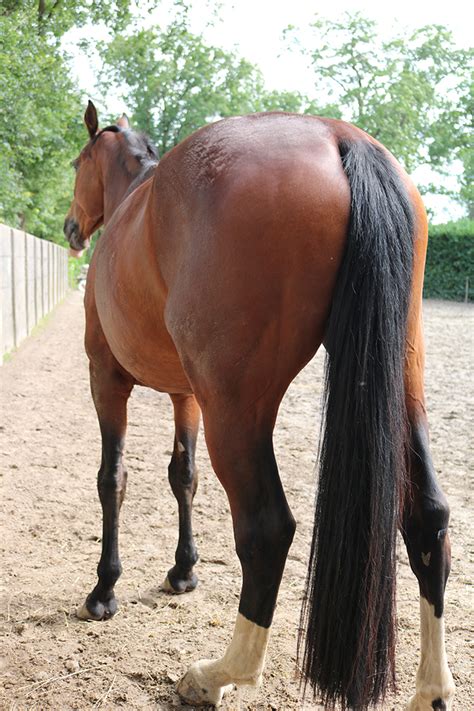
(50, 524)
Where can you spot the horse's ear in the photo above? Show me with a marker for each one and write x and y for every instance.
(91, 120)
(123, 121)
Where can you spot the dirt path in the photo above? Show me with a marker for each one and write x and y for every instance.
(50, 523)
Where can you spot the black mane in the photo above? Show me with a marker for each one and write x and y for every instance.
(140, 146)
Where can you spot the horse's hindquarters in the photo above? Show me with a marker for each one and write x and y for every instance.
(249, 250)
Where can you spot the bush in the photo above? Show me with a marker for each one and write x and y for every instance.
(450, 261)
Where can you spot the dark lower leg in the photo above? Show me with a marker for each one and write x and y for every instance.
(425, 522)
(110, 392)
(183, 480)
(425, 531)
(264, 529)
(263, 524)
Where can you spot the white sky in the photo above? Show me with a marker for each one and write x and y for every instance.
(254, 29)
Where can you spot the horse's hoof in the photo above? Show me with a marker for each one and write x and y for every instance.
(418, 703)
(197, 689)
(177, 586)
(97, 610)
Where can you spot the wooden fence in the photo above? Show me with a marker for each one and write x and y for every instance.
(33, 279)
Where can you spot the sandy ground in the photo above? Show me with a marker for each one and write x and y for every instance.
(50, 527)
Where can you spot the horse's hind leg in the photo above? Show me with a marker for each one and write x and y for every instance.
(242, 456)
(111, 388)
(183, 479)
(425, 530)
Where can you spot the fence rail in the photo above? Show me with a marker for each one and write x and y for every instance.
(33, 279)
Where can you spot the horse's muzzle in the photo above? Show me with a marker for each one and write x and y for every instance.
(73, 234)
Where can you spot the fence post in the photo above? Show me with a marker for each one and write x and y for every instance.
(44, 275)
(37, 278)
(31, 314)
(19, 286)
(7, 336)
(56, 274)
(33, 279)
(65, 273)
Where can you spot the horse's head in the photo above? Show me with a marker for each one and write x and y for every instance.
(111, 164)
(86, 213)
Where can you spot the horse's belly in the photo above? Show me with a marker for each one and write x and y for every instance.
(134, 327)
(146, 358)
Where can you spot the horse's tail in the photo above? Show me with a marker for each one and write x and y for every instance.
(348, 615)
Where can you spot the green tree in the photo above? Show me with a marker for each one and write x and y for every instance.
(409, 92)
(466, 149)
(174, 82)
(40, 128)
(56, 17)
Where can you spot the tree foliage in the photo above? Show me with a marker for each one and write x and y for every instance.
(55, 17)
(466, 148)
(39, 128)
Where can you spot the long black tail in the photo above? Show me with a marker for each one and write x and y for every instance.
(348, 616)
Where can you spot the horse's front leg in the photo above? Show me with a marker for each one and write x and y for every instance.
(111, 388)
(183, 479)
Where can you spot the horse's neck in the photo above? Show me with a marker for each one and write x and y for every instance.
(147, 171)
(119, 183)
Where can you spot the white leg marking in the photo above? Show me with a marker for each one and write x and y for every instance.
(206, 681)
(434, 681)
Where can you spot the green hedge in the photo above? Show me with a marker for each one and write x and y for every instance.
(450, 261)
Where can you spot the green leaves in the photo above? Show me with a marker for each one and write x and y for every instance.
(39, 129)
(52, 18)
(450, 261)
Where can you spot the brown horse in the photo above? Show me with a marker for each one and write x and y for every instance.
(220, 273)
